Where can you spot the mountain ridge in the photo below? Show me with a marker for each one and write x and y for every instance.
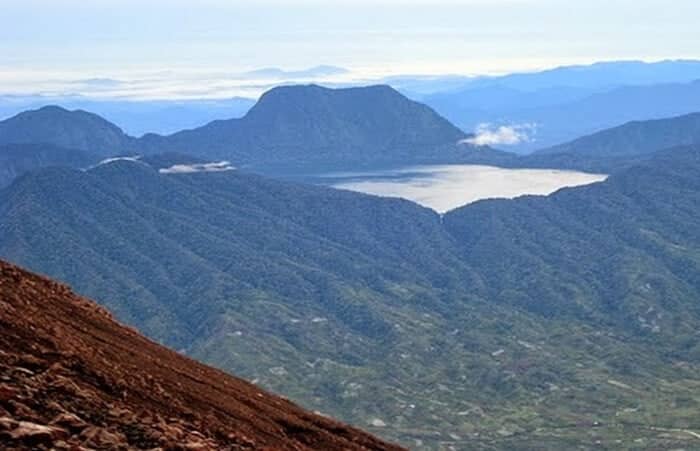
(76, 129)
(563, 113)
(361, 306)
(303, 125)
(634, 138)
(17, 159)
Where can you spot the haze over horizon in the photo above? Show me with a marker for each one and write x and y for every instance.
(182, 46)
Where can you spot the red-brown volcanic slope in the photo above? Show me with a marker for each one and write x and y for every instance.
(73, 378)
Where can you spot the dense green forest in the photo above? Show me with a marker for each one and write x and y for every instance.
(553, 320)
(59, 127)
(17, 159)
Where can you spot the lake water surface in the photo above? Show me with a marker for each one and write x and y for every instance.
(445, 187)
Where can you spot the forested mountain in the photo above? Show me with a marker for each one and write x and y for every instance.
(308, 126)
(372, 125)
(67, 129)
(583, 225)
(137, 117)
(308, 129)
(291, 129)
(16, 159)
(544, 321)
(607, 151)
(74, 378)
(635, 138)
(559, 113)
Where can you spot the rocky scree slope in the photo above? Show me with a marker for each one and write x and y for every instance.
(71, 377)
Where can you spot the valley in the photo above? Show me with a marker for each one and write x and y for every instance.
(502, 323)
(354, 251)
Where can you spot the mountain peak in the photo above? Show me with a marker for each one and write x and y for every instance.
(57, 110)
(313, 126)
(313, 91)
(50, 109)
(58, 126)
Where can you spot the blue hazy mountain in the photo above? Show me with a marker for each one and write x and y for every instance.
(583, 78)
(57, 126)
(600, 75)
(578, 114)
(565, 103)
(138, 117)
(17, 159)
(307, 74)
(595, 76)
(611, 150)
(297, 127)
(544, 98)
(293, 125)
(636, 138)
(311, 126)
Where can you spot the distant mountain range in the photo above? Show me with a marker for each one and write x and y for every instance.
(310, 126)
(300, 127)
(563, 104)
(592, 98)
(584, 79)
(605, 74)
(503, 324)
(74, 378)
(291, 75)
(310, 129)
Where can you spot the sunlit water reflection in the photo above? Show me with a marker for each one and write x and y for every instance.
(446, 187)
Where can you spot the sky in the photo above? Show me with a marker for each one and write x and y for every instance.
(188, 42)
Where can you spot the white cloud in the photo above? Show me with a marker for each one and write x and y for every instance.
(218, 166)
(113, 159)
(504, 135)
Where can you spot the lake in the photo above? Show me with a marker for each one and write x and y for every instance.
(445, 187)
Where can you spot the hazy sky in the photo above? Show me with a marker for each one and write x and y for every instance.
(106, 38)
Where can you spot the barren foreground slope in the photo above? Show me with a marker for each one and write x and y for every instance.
(72, 376)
